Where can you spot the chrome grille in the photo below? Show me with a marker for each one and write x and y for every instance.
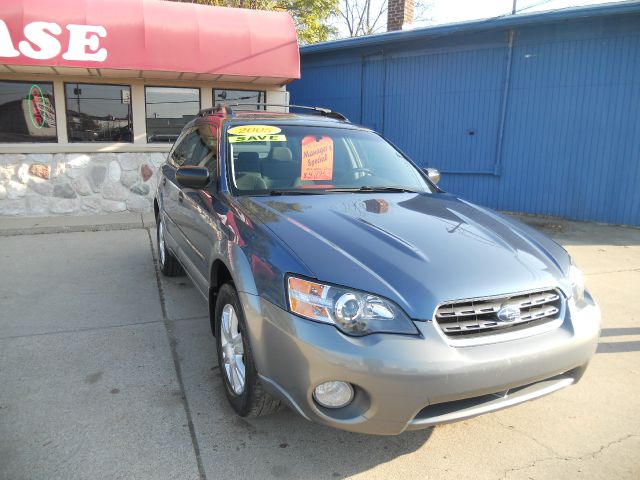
(479, 316)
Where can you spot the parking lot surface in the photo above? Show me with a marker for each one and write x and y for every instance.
(109, 371)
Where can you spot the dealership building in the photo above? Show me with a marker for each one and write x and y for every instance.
(93, 93)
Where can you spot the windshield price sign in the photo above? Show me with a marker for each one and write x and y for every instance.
(317, 158)
(257, 138)
(255, 133)
(254, 130)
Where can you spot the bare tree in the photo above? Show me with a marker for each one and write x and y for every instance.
(365, 17)
(357, 17)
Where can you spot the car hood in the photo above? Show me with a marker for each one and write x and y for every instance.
(415, 249)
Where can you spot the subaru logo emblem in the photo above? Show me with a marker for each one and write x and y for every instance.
(509, 313)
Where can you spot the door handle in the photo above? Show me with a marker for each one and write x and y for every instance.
(180, 197)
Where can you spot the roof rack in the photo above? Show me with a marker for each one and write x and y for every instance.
(216, 109)
(224, 108)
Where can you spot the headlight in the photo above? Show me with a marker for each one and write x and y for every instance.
(577, 282)
(352, 312)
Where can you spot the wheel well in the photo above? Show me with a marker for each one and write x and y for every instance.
(220, 275)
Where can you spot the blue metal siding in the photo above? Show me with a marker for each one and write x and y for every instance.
(336, 85)
(457, 112)
(571, 139)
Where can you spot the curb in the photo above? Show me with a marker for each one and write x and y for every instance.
(70, 229)
(49, 225)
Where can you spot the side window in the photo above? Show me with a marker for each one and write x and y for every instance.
(205, 153)
(175, 147)
(185, 148)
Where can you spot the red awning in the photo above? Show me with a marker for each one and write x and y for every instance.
(152, 38)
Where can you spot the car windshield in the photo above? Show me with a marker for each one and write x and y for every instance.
(277, 159)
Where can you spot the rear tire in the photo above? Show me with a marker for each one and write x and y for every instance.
(239, 376)
(169, 264)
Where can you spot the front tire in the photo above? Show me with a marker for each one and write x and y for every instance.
(240, 379)
(169, 264)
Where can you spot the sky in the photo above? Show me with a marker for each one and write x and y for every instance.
(450, 11)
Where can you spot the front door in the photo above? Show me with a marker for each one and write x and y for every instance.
(198, 221)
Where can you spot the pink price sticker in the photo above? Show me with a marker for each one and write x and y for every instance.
(317, 158)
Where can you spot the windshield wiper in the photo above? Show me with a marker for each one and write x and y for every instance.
(367, 189)
(276, 193)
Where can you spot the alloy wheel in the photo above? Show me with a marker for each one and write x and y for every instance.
(161, 251)
(232, 349)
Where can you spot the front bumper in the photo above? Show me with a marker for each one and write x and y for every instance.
(410, 382)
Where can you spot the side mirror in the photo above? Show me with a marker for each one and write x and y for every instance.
(193, 177)
(433, 174)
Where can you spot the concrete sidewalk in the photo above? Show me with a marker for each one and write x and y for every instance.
(108, 370)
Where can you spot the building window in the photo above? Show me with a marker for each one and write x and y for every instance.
(241, 96)
(169, 109)
(98, 113)
(27, 112)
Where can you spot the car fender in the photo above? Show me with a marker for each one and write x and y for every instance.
(236, 262)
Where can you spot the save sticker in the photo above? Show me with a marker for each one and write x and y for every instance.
(254, 130)
(317, 158)
(257, 138)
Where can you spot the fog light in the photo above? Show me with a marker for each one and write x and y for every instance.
(333, 394)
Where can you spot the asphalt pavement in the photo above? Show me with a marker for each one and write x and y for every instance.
(109, 371)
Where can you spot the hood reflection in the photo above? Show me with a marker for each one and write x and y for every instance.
(376, 205)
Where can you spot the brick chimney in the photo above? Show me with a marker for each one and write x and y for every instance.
(399, 14)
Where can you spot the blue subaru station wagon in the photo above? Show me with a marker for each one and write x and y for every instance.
(344, 284)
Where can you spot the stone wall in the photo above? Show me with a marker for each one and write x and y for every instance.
(77, 183)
